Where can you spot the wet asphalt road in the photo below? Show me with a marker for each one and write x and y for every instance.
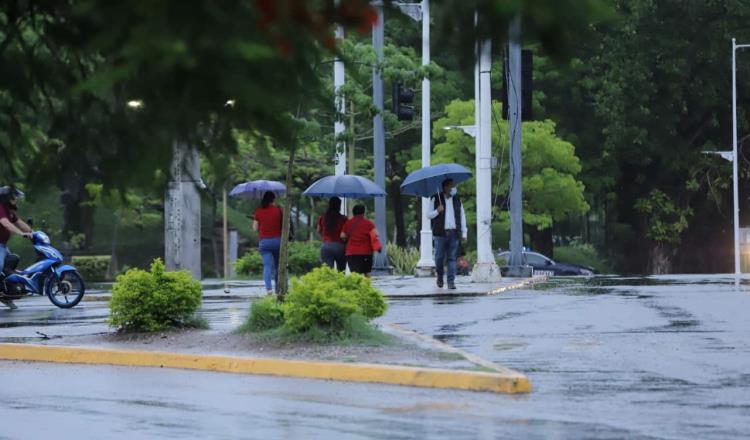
(608, 357)
(612, 358)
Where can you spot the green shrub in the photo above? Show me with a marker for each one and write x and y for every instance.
(303, 256)
(250, 264)
(92, 268)
(154, 300)
(404, 260)
(584, 255)
(326, 299)
(265, 314)
(369, 299)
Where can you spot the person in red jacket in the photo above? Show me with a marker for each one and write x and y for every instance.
(268, 221)
(332, 251)
(358, 233)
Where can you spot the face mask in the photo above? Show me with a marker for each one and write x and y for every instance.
(453, 192)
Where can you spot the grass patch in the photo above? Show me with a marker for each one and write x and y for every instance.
(483, 369)
(356, 331)
(450, 356)
(196, 322)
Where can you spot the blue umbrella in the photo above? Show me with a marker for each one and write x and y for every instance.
(256, 189)
(428, 181)
(347, 185)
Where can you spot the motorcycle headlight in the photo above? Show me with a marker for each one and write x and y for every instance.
(42, 237)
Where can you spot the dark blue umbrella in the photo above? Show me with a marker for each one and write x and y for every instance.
(428, 181)
(256, 189)
(347, 185)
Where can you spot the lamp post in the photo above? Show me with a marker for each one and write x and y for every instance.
(735, 164)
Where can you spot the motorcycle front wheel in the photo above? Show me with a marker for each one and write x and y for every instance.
(66, 291)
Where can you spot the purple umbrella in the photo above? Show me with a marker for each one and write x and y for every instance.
(256, 189)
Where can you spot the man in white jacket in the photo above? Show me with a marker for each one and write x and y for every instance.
(448, 220)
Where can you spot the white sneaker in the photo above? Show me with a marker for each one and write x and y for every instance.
(9, 303)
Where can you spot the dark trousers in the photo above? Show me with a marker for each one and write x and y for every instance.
(446, 248)
(360, 263)
(331, 253)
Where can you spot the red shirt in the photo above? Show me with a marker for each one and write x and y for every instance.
(10, 214)
(269, 222)
(334, 236)
(357, 229)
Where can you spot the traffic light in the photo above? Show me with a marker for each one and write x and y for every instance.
(527, 85)
(402, 97)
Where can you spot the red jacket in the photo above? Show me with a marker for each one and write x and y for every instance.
(357, 230)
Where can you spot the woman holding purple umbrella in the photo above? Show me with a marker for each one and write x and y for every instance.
(268, 223)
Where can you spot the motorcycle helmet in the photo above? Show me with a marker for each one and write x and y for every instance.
(9, 191)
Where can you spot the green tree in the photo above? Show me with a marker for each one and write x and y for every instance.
(551, 189)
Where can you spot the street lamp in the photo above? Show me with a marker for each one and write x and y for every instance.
(735, 164)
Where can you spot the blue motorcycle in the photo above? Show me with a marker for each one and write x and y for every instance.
(48, 276)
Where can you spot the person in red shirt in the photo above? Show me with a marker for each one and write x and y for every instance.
(357, 232)
(9, 224)
(332, 251)
(268, 221)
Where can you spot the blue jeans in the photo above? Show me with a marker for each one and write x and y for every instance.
(446, 248)
(269, 251)
(333, 253)
(3, 253)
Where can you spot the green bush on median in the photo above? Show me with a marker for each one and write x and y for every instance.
(155, 300)
(325, 303)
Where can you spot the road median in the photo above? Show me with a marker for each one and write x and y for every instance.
(506, 381)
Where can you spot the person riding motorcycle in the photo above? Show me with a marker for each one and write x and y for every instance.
(9, 224)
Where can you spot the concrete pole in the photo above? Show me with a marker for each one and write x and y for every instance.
(233, 249)
(225, 239)
(182, 215)
(426, 263)
(485, 270)
(735, 165)
(380, 262)
(339, 79)
(517, 268)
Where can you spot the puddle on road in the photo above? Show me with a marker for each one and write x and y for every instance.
(509, 345)
(420, 407)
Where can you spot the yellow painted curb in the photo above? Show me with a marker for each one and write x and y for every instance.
(387, 374)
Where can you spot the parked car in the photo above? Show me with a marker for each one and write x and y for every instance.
(543, 264)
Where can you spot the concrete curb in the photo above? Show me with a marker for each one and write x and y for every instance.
(442, 346)
(500, 382)
(520, 285)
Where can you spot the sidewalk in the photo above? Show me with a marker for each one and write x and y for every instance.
(390, 285)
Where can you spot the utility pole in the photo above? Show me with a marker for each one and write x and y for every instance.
(380, 262)
(516, 263)
(339, 79)
(182, 212)
(421, 11)
(485, 270)
(225, 238)
(735, 162)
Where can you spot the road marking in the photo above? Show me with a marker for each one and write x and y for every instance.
(497, 382)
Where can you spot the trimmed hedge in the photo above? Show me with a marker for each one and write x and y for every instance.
(92, 267)
(303, 257)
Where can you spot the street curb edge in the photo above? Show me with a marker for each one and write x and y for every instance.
(509, 382)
